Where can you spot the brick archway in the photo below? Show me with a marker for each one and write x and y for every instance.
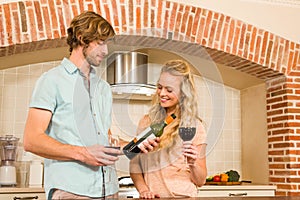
(27, 26)
(43, 23)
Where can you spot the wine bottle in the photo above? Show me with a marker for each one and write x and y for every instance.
(153, 131)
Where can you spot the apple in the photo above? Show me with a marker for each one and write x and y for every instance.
(216, 178)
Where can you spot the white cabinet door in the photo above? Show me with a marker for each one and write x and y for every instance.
(23, 196)
(130, 192)
(234, 193)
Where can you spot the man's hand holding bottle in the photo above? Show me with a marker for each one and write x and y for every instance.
(98, 155)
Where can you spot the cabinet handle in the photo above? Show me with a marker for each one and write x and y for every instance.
(237, 194)
(35, 197)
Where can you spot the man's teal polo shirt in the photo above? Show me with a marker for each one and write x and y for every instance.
(79, 117)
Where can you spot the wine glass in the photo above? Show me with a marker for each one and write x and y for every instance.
(114, 142)
(187, 134)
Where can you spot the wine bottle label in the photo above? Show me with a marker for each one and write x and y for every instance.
(152, 136)
(155, 130)
(139, 136)
(131, 149)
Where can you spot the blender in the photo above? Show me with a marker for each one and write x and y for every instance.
(8, 147)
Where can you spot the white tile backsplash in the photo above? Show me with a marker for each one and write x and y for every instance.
(219, 107)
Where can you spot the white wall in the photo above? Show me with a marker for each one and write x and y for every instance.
(222, 111)
(219, 107)
(255, 134)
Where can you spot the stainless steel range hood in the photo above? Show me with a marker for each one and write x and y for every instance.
(127, 73)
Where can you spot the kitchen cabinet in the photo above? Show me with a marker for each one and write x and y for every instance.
(236, 190)
(217, 191)
(7, 193)
(128, 192)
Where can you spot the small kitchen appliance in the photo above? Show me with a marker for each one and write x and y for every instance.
(8, 149)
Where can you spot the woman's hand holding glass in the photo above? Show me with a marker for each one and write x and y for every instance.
(190, 152)
(187, 133)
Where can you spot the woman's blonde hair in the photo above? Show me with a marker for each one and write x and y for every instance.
(88, 27)
(186, 110)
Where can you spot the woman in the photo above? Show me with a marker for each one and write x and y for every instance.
(164, 173)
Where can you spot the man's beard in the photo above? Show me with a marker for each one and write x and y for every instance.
(90, 59)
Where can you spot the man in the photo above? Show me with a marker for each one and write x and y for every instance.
(70, 115)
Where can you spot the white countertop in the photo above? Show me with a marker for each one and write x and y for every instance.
(131, 192)
(238, 187)
(204, 187)
(223, 187)
(5, 190)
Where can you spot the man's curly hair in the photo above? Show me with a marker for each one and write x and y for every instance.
(87, 27)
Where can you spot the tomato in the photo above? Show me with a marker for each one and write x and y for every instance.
(217, 178)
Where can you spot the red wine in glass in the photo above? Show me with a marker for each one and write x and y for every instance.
(114, 142)
(187, 133)
(112, 154)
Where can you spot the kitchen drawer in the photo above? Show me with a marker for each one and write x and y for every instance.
(233, 191)
(128, 192)
(21, 196)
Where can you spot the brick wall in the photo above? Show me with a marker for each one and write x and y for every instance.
(40, 24)
(283, 117)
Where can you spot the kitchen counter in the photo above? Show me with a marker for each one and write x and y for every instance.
(237, 187)
(216, 191)
(4, 190)
(39, 189)
(132, 193)
(230, 198)
(224, 187)
(9, 193)
(249, 190)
